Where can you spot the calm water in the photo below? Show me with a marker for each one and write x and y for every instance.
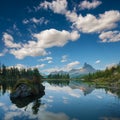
(62, 101)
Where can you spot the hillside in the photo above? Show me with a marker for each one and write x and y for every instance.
(110, 76)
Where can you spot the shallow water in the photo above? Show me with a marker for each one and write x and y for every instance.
(70, 101)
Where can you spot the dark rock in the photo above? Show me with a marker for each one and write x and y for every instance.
(24, 101)
(25, 90)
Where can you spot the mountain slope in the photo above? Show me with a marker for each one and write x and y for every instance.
(61, 72)
(77, 72)
(86, 69)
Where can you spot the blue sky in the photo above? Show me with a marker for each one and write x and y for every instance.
(59, 34)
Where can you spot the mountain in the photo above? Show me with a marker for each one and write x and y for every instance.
(61, 72)
(86, 69)
(74, 73)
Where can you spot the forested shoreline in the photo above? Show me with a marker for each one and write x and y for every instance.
(13, 73)
(58, 76)
(108, 77)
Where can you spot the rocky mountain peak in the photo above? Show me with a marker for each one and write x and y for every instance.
(88, 67)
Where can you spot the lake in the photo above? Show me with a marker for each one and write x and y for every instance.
(62, 101)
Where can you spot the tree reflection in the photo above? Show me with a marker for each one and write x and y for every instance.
(36, 105)
(59, 82)
(4, 88)
(6, 85)
(24, 102)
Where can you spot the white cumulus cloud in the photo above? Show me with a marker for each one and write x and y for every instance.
(52, 37)
(50, 61)
(67, 67)
(9, 42)
(39, 66)
(21, 66)
(89, 5)
(46, 59)
(45, 39)
(97, 61)
(71, 65)
(91, 23)
(58, 6)
(71, 16)
(88, 23)
(110, 36)
(41, 20)
(28, 51)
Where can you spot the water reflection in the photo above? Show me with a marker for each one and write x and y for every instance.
(69, 100)
(59, 82)
(82, 101)
(13, 113)
(112, 90)
(85, 88)
(24, 102)
(6, 86)
(36, 105)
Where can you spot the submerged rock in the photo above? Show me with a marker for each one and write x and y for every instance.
(27, 88)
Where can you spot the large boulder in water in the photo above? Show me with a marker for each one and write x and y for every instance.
(25, 88)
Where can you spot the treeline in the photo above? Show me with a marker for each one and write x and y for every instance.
(58, 76)
(14, 73)
(111, 74)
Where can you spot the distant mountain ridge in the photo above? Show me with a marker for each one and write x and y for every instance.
(61, 72)
(86, 69)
